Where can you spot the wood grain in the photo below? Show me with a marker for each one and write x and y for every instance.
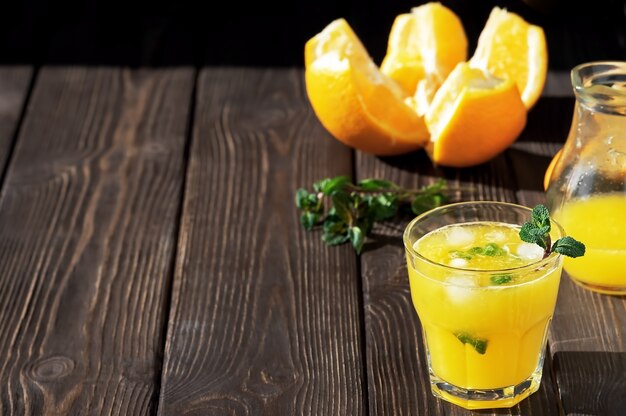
(265, 318)
(88, 222)
(588, 336)
(14, 83)
(396, 362)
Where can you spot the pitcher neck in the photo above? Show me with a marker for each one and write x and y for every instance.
(600, 88)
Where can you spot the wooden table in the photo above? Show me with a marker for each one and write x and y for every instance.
(152, 262)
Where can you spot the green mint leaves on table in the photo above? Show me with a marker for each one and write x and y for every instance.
(354, 208)
(537, 231)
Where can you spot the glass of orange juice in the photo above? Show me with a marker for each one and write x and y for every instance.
(485, 300)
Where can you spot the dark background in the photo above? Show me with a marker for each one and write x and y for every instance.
(269, 33)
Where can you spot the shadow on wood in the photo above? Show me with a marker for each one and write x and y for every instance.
(592, 382)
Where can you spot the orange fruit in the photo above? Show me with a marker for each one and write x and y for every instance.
(428, 42)
(473, 117)
(509, 47)
(353, 100)
(548, 175)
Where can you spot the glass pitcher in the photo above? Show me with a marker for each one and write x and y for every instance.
(587, 192)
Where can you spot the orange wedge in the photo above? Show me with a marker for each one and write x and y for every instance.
(426, 43)
(509, 47)
(473, 117)
(356, 103)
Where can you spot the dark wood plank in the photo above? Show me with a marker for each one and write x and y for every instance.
(588, 336)
(88, 222)
(14, 82)
(265, 319)
(396, 362)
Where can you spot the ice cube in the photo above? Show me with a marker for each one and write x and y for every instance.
(466, 281)
(459, 263)
(459, 237)
(529, 251)
(495, 236)
(460, 288)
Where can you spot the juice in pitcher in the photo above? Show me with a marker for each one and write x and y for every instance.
(599, 220)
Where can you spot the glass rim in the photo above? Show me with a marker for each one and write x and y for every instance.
(581, 80)
(554, 256)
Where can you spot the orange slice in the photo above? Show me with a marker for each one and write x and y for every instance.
(473, 117)
(356, 103)
(509, 47)
(428, 42)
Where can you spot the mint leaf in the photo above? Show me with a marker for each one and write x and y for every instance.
(569, 247)
(501, 279)
(531, 234)
(371, 184)
(527, 233)
(426, 202)
(334, 239)
(334, 225)
(476, 250)
(301, 198)
(356, 238)
(541, 217)
(317, 186)
(458, 254)
(436, 186)
(479, 344)
(308, 220)
(331, 185)
(492, 250)
(341, 202)
(383, 206)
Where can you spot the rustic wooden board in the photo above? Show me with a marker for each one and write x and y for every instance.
(588, 336)
(88, 223)
(396, 362)
(265, 319)
(14, 83)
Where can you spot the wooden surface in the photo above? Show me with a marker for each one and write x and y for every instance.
(265, 319)
(14, 83)
(89, 215)
(152, 261)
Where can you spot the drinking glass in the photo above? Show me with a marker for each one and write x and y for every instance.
(485, 342)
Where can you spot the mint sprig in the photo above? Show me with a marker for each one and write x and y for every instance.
(354, 208)
(537, 231)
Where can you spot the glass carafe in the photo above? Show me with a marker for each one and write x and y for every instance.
(586, 193)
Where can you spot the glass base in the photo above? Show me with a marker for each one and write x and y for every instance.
(486, 398)
(607, 290)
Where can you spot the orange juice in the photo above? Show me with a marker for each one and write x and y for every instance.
(599, 221)
(485, 300)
